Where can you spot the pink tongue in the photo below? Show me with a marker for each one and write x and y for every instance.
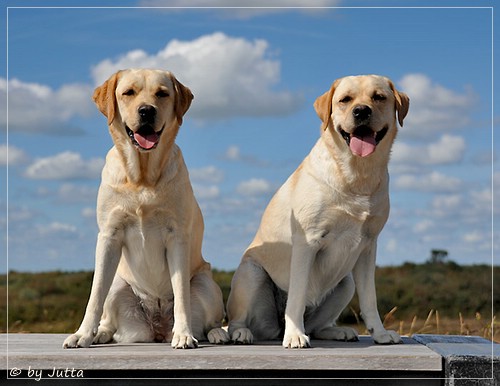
(362, 146)
(147, 141)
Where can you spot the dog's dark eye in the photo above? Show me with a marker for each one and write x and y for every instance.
(346, 99)
(162, 94)
(129, 92)
(379, 97)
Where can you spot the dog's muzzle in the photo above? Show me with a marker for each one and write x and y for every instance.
(146, 138)
(363, 140)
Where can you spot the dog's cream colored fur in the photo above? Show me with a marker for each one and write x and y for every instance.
(318, 236)
(150, 282)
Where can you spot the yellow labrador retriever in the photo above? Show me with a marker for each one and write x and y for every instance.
(318, 236)
(150, 282)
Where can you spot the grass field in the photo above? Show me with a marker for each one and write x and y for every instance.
(424, 298)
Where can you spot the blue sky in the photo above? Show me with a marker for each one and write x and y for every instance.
(255, 74)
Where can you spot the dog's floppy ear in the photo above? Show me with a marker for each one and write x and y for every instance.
(402, 103)
(105, 99)
(323, 105)
(183, 98)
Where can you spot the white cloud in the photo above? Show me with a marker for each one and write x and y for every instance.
(36, 108)
(449, 149)
(255, 187)
(433, 182)
(228, 76)
(58, 229)
(423, 226)
(248, 9)
(434, 107)
(15, 155)
(450, 209)
(233, 153)
(392, 245)
(88, 212)
(207, 174)
(70, 193)
(21, 214)
(473, 237)
(205, 180)
(203, 192)
(447, 203)
(64, 166)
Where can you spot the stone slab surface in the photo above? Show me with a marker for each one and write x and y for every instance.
(468, 360)
(433, 338)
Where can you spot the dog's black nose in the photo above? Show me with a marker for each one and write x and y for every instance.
(362, 112)
(147, 113)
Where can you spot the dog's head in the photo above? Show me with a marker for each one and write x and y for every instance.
(140, 104)
(361, 110)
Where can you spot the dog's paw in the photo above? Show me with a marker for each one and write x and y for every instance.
(184, 341)
(103, 336)
(296, 340)
(78, 340)
(387, 337)
(242, 336)
(346, 334)
(218, 336)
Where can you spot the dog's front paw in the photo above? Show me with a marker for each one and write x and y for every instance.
(218, 336)
(387, 337)
(296, 340)
(78, 340)
(346, 334)
(242, 336)
(184, 341)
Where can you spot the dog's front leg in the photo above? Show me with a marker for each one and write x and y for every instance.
(303, 255)
(178, 265)
(108, 252)
(364, 277)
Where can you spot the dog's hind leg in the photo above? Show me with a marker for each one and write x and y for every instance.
(123, 317)
(251, 306)
(320, 322)
(207, 309)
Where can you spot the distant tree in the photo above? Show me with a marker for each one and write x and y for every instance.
(438, 256)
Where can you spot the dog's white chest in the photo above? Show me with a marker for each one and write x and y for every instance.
(144, 253)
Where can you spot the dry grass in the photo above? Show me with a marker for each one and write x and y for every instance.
(434, 324)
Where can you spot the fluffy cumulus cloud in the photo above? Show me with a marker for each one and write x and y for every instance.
(434, 182)
(70, 193)
(12, 156)
(249, 8)
(228, 76)
(37, 108)
(448, 149)
(255, 187)
(206, 192)
(205, 180)
(65, 166)
(434, 107)
(207, 174)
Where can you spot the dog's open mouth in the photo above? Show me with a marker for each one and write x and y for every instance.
(363, 141)
(146, 138)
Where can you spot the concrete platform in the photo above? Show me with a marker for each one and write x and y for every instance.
(40, 356)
